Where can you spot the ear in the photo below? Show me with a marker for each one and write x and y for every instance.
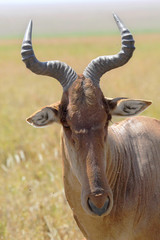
(127, 107)
(45, 116)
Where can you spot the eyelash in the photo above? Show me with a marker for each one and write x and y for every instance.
(66, 126)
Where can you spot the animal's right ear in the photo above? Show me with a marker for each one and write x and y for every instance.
(45, 116)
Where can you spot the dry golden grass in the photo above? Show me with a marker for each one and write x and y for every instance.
(32, 202)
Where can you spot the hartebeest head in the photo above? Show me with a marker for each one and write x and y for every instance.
(84, 114)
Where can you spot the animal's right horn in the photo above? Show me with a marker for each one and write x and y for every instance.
(56, 69)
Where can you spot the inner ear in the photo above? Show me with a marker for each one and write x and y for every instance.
(44, 117)
(127, 107)
(112, 102)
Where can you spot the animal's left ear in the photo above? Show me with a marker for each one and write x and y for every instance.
(127, 107)
(45, 116)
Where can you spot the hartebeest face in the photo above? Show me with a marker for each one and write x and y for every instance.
(84, 114)
(85, 125)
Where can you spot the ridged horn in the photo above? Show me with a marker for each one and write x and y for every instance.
(56, 69)
(103, 64)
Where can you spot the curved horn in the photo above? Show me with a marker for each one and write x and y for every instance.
(56, 69)
(102, 64)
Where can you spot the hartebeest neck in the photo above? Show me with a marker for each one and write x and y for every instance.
(119, 167)
(113, 164)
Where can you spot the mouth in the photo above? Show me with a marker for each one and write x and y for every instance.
(96, 210)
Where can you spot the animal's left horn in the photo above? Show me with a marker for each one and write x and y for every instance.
(56, 69)
(103, 64)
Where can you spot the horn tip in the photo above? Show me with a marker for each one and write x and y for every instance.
(115, 16)
(28, 33)
(29, 28)
(30, 23)
(119, 23)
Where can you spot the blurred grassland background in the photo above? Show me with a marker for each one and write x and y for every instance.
(32, 201)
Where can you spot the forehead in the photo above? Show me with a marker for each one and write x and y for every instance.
(85, 103)
(83, 91)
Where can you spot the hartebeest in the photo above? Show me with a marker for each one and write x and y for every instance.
(111, 174)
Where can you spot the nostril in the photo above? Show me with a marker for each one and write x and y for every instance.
(96, 210)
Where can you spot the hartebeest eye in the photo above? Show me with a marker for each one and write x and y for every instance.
(66, 126)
